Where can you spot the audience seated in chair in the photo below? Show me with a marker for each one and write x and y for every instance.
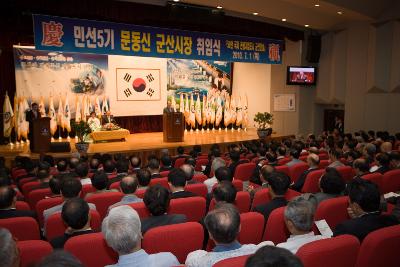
(55, 187)
(278, 184)
(334, 156)
(382, 161)
(122, 232)
(8, 201)
(294, 157)
(331, 185)
(235, 161)
(166, 163)
(188, 170)
(157, 199)
(60, 258)
(109, 168)
(94, 165)
(82, 170)
(299, 218)
(44, 177)
(212, 155)
(270, 256)
(177, 183)
(216, 164)
(75, 214)
(223, 225)
(262, 179)
(144, 178)
(70, 188)
(122, 167)
(9, 255)
(128, 186)
(136, 164)
(154, 168)
(395, 159)
(361, 167)
(100, 181)
(364, 209)
(313, 162)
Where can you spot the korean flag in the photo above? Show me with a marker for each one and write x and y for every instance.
(138, 84)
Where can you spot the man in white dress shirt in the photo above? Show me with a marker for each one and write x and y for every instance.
(94, 122)
(299, 218)
(223, 225)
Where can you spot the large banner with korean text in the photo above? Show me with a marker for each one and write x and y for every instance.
(65, 81)
(108, 38)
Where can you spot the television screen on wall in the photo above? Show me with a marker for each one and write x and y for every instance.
(297, 75)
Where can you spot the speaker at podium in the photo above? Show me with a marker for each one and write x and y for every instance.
(173, 126)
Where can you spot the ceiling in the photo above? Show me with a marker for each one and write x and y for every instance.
(298, 13)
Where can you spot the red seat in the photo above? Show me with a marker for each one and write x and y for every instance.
(193, 207)
(303, 158)
(334, 211)
(170, 238)
(296, 170)
(179, 162)
(22, 205)
(244, 171)
(235, 261)
(336, 251)
(55, 226)
(380, 248)
(347, 173)
(238, 184)
(140, 193)
(242, 202)
(45, 204)
(311, 184)
(22, 228)
(198, 189)
(376, 178)
(283, 168)
(36, 195)
(262, 197)
(200, 177)
(115, 186)
(26, 180)
(28, 187)
(161, 181)
(275, 229)
(252, 227)
(91, 250)
(323, 163)
(32, 252)
(18, 172)
(201, 162)
(104, 200)
(164, 173)
(87, 188)
(323, 156)
(141, 209)
(283, 161)
(391, 181)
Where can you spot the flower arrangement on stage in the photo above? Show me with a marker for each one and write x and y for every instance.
(263, 122)
(81, 131)
(110, 127)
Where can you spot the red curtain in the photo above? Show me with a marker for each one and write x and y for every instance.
(141, 124)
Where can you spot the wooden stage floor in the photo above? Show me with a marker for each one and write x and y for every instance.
(145, 143)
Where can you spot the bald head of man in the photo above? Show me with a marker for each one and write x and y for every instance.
(386, 147)
(129, 184)
(313, 160)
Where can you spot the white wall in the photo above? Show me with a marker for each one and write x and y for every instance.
(253, 80)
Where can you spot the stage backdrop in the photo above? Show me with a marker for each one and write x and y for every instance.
(131, 86)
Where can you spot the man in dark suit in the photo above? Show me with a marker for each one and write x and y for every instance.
(32, 115)
(177, 182)
(235, 158)
(108, 118)
(364, 209)
(169, 108)
(154, 168)
(313, 162)
(8, 201)
(278, 184)
(157, 200)
(75, 214)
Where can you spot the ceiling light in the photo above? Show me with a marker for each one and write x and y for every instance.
(255, 13)
(219, 7)
(306, 25)
(283, 19)
(176, 0)
(317, 5)
(340, 12)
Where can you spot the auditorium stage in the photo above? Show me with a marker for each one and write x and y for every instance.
(144, 144)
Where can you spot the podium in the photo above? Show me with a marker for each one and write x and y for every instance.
(41, 137)
(173, 126)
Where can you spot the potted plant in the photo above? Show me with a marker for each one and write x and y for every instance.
(263, 124)
(81, 130)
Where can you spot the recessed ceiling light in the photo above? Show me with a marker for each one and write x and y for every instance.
(317, 5)
(255, 13)
(340, 12)
(219, 7)
(283, 19)
(176, 0)
(306, 25)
